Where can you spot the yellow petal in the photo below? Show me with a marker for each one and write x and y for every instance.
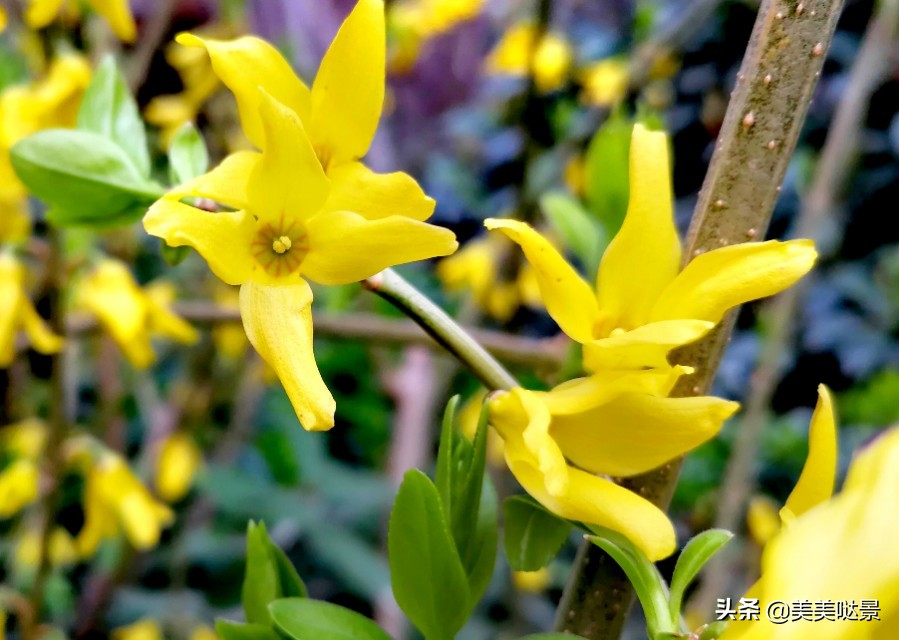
(355, 187)
(724, 278)
(146, 629)
(635, 433)
(40, 13)
(18, 487)
(178, 461)
(645, 255)
(4, 19)
(118, 14)
(583, 394)
(762, 519)
(645, 346)
(244, 65)
(226, 183)
(288, 180)
(348, 92)
(160, 317)
(278, 322)
(223, 239)
(569, 300)
(815, 484)
(345, 247)
(41, 336)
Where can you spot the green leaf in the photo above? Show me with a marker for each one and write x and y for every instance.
(303, 619)
(109, 109)
(173, 256)
(444, 476)
(292, 585)
(579, 232)
(261, 582)
(533, 535)
(606, 169)
(188, 157)
(643, 575)
(429, 581)
(86, 179)
(692, 559)
(228, 630)
(480, 559)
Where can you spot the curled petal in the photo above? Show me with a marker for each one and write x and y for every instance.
(569, 300)
(344, 247)
(244, 65)
(223, 239)
(40, 13)
(42, 338)
(226, 183)
(355, 187)
(645, 346)
(645, 254)
(118, 14)
(278, 322)
(348, 92)
(721, 279)
(635, 432)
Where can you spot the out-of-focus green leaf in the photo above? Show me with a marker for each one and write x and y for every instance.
(606, 172)
(303, 619)
(429, 581)
(188, 157)
(358, 564)
(575, 227)
(228, 630)
(85, 178)
(691, 561)
(533, 536)
(109, 109)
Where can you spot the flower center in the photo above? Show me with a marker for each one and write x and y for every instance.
(280, 248)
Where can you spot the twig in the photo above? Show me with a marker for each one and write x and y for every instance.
(838, 157)
(157, 27)
(763, 122)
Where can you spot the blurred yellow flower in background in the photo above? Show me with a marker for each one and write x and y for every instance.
(144, 629)
(17, 312)
(115, 502)
(177, 463)
(762, 519)
(24, 439)
(412, 22)
(18, 486)
(133, 315)
(515, 53)
(117, 13)
(532, 581)
(203, 633)
(62, 549)
(305, 205)
(604, 82)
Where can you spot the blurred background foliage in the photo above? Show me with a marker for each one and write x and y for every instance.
(484, 139)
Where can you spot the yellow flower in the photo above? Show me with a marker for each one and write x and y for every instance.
(18, 486)
(644, 304)
(203, 633)
(145, 629)
(532, 581)
(3, 20)
(177, 464)
(117, 13)
(616, 423)
(26, 109)
(170, 112)
(304, 206)
(412, 22)
(16, 311)
(840, 550)
(551, 61)
(116, 502)
(130, 314)
(62, 549)
(24, 439)
(475, 268)
(229, 337)
(762, 519)
(605, 82)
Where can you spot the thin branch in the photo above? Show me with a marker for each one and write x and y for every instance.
(760, 131)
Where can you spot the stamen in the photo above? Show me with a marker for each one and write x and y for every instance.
(282, 244)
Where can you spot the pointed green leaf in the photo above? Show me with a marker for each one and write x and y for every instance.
(303, 619)
(692, 559)
(480, 560)
(188, 157)
(471, 463)
(228, 630)
(261, 583)
(290, 583)
(444, 477)
(533, 535)
(578, 231)
(429, 582)
(109, 109)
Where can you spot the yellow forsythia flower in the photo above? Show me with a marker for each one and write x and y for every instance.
(644, 304)
(16, 311)
(531, 581)
(551, 60)
(762, 520)
(305, 205)
(117, 13)
(62, 549)
(605, 82)
(177, 464)
(51, 101)
(203, 633)
(130, 314)
(24, 439)
(413, 22)
(145, 629)
(614, 423)
(18, 486)
(115, 501)
(840, 550)
(229, 337)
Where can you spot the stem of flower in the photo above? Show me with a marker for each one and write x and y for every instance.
(767, 108)
(399, 292)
